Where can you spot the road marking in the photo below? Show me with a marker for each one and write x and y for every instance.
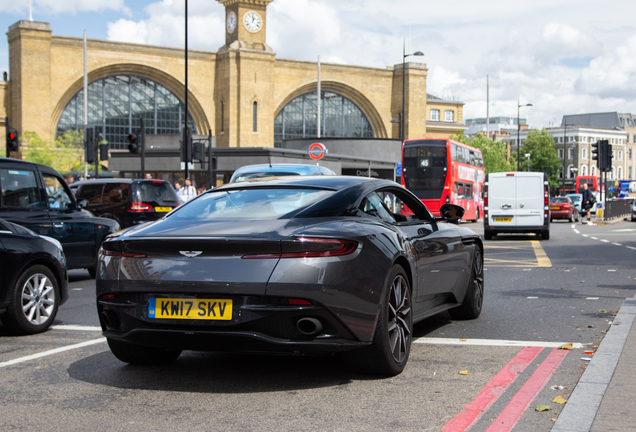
(493, 390)
(605, 241)
(617, 244)
(520, 401)
(542, 257)
(51, 352)
(76, 327)
(586, 235)
(591, 298)
(629, 247)
(493, 342)
(594, 238)
(577, 231)
(533, 297)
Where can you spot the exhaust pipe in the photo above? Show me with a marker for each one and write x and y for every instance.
(111, 319)
(309, 326)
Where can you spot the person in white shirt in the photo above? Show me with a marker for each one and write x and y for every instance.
(187, 192)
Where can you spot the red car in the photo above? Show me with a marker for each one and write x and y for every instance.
(563, 208)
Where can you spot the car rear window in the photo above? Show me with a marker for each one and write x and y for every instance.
(249, 203)
(559, 200)
(255, 175)
(20, 189)
(156, 193)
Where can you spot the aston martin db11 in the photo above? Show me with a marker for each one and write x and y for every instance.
(302, 265)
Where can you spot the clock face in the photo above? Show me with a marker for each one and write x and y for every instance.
(231, 22)
(252, 21)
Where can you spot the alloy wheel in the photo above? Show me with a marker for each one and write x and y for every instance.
(399, 318)
(38, 299)
(478, 281)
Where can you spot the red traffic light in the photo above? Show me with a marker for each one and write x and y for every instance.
(11, 136)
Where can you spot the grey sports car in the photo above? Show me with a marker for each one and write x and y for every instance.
(307, 264)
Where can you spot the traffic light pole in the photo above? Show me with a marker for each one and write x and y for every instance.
(142, 139)
(211, 182)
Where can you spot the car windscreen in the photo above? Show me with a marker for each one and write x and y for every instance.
(255, 175)
(157, 193)
(257, 203)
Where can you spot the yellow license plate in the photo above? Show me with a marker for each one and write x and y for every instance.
(554, 208)
(500, 219)
(185, 308)
(163, 209)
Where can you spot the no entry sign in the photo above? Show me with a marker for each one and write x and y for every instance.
(317, 151)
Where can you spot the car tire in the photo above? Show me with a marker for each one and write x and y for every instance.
(545, 234)
(474, 297)
(34, 301)
(141, 355)
(488, 235)
(389, 351)
(572, 218)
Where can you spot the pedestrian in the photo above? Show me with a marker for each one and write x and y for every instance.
(187, 192)
(177, 187)
(587, 201)
(148, 176)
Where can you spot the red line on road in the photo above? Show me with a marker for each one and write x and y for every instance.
(512, 412)
(495, 388)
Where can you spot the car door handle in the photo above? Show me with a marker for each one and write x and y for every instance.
(506, 206)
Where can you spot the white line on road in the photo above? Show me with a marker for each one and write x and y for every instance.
(629, 247)
(577, 231)
(617, 244)
(591, 298)
(492, 342)
(76, 327)
(51, 352)
(605, 241)
(594, 238)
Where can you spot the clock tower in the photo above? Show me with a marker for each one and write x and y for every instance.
(245, 24)
(245, 65)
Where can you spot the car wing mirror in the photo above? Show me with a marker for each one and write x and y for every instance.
(82, 203)
(450, 213)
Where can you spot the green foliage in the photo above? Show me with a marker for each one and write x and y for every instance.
(65, 154)
(494, 152)
(543, 155)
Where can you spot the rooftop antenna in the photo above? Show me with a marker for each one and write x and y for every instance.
(30, 10)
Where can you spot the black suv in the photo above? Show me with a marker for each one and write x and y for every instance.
(37, 197)
(128, 201)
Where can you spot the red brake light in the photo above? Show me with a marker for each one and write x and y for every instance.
(510, 175)
(298, 302)
(311, 247)
(139, 207)
(121, 254)
(157, 181)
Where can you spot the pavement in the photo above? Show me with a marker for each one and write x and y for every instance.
(604, 400)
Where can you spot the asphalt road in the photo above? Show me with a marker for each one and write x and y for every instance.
(537, 292)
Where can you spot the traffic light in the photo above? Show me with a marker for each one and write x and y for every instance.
(89, 142)
(198, 151)
(12, 142)
(597, 153)
(186, 149)
(103, 152)
(607, 157)
(133, 142)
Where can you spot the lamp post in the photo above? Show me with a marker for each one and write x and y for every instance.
(565, 129)
(519, 130)
(528, 156)
(404, 56)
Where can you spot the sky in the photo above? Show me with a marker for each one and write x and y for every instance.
(562, 56)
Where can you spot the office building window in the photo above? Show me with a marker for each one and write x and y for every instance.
(449, 115)
(435, 115)
(584, 153)
(254, 122)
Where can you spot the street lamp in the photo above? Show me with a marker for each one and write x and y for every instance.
(404, 56)
(519, 130)
(528, 156)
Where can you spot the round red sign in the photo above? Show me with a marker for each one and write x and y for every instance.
(317, 151)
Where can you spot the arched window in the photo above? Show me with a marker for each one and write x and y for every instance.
(570, 172)
(593, 170)
(619, 173)
(115, 105)
(340, 118)
(255, 115)
(613, 173)
(584, 170)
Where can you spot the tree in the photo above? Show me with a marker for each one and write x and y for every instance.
(494, 152)
(65, 154)
(543, 155)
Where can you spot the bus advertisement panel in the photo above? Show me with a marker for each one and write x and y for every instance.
(440, 171)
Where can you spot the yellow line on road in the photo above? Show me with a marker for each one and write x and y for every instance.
(542, 257)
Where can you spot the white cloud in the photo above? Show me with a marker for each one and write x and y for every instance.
(62, 6)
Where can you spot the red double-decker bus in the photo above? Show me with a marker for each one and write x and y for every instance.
(592, 183)
(442, 171)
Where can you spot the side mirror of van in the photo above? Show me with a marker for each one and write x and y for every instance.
(450, 213)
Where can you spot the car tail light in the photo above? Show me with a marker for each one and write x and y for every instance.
(298, 302)
(510, 175)
(139, 207)
(121, 254)
(546, 200)
(311, 247)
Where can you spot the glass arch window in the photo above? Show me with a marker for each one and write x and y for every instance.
(340, 118)
(115, 105)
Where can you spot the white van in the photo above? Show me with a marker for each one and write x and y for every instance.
(516, 202)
